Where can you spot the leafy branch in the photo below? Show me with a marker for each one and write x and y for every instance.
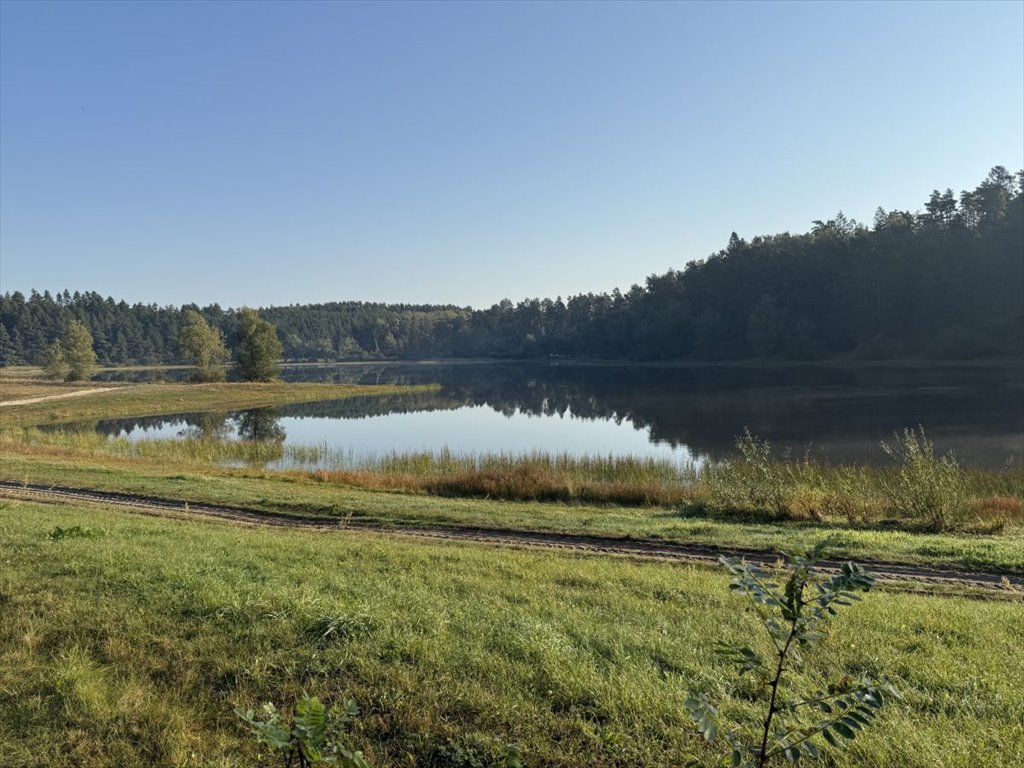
(312, 738)
(794, 615)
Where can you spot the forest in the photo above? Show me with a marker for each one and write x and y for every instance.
(946, 282)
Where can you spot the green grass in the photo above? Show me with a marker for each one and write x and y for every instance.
(157, 399)
(128, 641)
(300, 495)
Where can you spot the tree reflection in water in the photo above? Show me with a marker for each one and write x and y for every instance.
(260, 425)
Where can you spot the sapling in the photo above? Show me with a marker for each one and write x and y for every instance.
(794, 615)
(312, 738)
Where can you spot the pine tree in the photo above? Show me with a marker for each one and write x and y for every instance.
(9, 354)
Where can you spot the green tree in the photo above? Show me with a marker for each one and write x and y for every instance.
(259, 349)
(766, 327)
(203, 346)
(56, 365)
(78, 352)
(9, 353)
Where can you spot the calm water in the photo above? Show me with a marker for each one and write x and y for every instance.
(684, 413)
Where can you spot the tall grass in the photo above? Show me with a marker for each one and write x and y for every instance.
(926, 487)
(921, 491)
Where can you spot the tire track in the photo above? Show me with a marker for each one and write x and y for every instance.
(646, 549)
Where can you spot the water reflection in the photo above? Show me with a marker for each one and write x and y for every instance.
(254, 425)
(842, 413)
(260, 424)
(200, 426)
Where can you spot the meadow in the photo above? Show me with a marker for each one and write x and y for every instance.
(129, 640)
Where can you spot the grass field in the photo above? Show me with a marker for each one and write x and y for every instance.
(129, 640)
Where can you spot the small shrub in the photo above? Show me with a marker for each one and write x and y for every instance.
(806, 502)
(313, 737)
(794, 616)
(765, 480)
(927, 488)
(758, 484)
(849, 497)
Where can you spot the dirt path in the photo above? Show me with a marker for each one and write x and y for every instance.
(63, 396)
(646, 549)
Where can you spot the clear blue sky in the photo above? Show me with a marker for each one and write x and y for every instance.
(262, 153)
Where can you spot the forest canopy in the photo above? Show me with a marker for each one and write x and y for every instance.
(944, 282)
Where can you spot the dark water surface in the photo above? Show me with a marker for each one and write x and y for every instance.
(680, 412)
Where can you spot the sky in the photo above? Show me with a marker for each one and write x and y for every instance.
(264, 153)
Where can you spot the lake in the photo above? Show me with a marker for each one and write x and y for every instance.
(682, 413)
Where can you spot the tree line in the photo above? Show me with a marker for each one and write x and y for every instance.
(72, 357)
(944, 282)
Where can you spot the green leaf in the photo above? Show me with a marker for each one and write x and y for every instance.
(843, 730)
(311, 722)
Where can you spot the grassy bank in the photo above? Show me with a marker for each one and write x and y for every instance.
(13, 389)
(919, 492)
(307, 496)
(129, 640)
(158, 399)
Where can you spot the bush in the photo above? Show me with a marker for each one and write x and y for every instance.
(785, 489)
(926, 488)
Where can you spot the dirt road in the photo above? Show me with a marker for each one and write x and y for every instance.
(647, 549)
(62, 396)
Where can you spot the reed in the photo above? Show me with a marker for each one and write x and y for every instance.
(754, 487)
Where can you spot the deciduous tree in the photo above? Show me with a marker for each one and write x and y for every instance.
(56, 366)
(259, 349)
(203, 346)
(78, 352)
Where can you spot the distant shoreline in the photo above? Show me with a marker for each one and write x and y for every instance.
(996, 362)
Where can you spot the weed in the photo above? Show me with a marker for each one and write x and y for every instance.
(334, 629)
(927, 488)
(313, 737)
